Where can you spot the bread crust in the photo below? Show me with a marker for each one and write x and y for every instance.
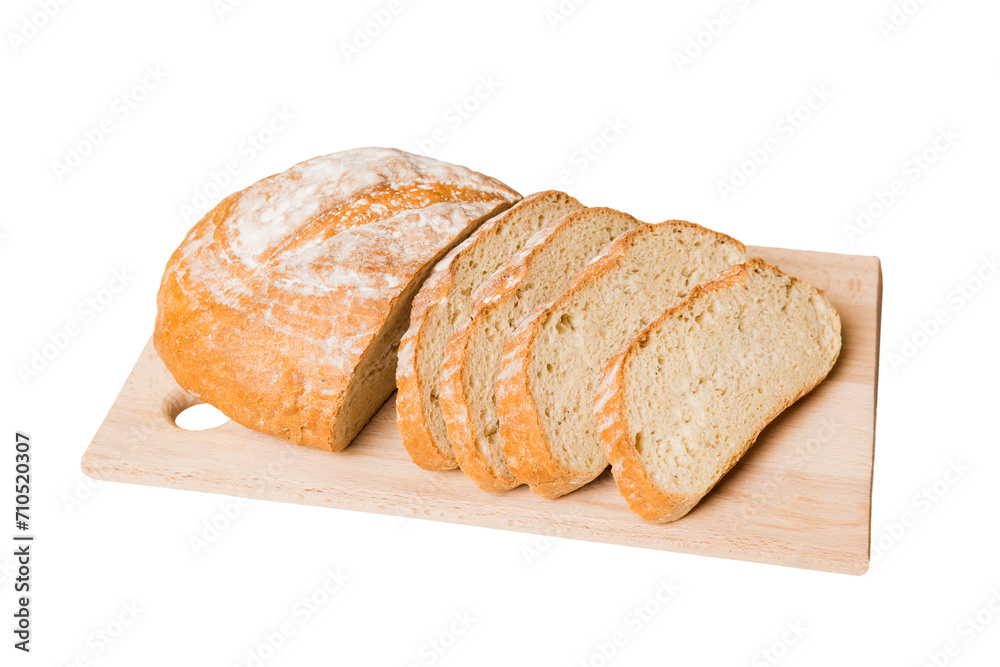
(610, 411)
(528, 452)
(284, 302)
(495, 294)
(412, 419)
(454, 400)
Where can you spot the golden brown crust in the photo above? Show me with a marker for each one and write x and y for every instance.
(495, 294)
(524, 441)
(643, 496)
(273, 307)
(458, 419)
(412, 418)
(527, 449)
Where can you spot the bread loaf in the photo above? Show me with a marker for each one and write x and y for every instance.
(686, 398)
(283, 307)
(443, 305)
(540, 272)
(551, 365)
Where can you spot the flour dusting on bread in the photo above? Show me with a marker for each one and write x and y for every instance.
(290, 292)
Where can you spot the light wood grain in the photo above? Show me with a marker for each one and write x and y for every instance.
(801, 497)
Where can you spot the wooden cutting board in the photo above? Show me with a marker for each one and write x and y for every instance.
(800, 497)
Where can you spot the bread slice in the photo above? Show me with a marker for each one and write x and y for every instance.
(443, 305)
(686, 398)
(538, 273)
(551, 366)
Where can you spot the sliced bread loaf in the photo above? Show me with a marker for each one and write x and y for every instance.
(686, 398)
(551, 366)
(442, 306)
(468, 378)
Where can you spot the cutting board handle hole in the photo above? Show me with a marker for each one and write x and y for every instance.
(200, 417)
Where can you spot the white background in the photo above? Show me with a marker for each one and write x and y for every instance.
(681, 130)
